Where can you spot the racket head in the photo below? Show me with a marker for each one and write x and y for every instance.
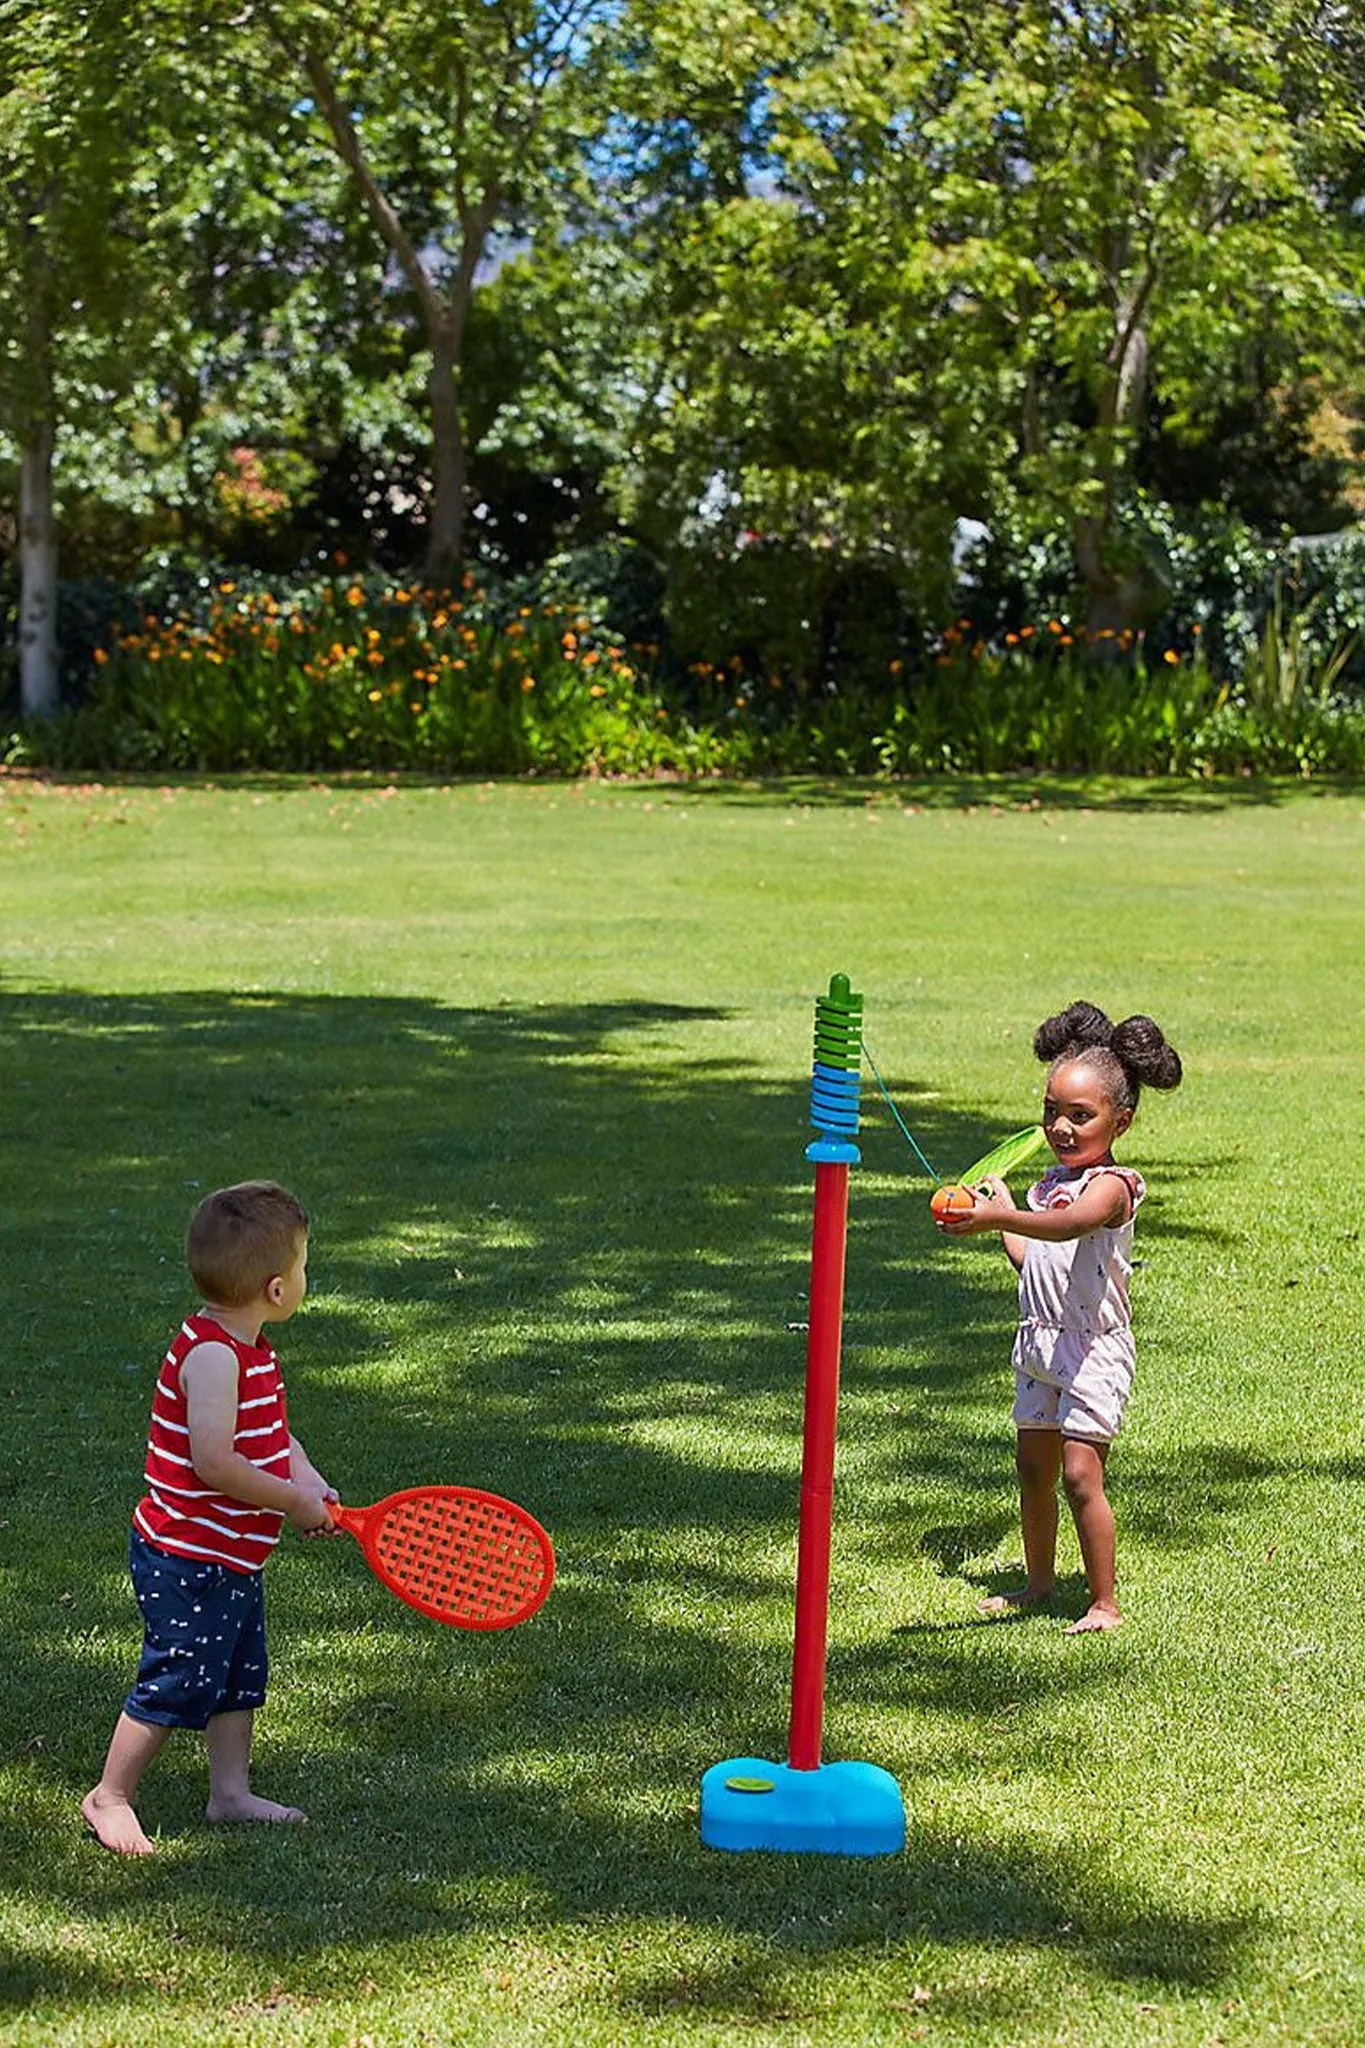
(464, 1557)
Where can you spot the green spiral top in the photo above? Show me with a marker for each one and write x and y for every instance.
(839, 1026)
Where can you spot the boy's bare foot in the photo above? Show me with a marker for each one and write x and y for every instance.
(112, 1819)
(1012, 1603)
(248, 1807)
(1095, 1619)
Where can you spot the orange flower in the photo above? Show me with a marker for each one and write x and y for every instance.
(528, 682)
(355, 595)
(598, 690)
(1011, 639)
(1171, 658)
(375, 696)
(100, 657)
(1064, 640)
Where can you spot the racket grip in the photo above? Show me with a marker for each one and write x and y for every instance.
(352, 1520)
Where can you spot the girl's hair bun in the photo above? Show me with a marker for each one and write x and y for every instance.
(1135, 1054)
(1075, 1029)
(1140, 1046)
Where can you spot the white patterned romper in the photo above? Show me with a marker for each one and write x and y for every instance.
(1073, 1356)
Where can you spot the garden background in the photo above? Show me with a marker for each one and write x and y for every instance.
(573, 384)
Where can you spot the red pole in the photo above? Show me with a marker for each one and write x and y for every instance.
(817, 1464)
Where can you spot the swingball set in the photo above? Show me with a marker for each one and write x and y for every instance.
(844, 1809)
(840, 1809)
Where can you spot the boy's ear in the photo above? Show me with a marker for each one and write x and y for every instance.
(274, 1289)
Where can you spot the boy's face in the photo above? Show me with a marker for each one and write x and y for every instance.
(287, 1289)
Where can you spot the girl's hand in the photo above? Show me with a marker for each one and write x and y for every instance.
(994, 1210)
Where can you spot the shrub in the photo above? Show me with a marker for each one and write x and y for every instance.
(362, 674)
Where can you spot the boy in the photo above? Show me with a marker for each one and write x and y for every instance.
(223, 1473)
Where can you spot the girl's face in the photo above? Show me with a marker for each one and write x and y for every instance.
(1079, 1115)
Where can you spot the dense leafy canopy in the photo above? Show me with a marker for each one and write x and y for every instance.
(785, 292)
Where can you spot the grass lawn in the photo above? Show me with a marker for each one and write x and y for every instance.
(536, 1058)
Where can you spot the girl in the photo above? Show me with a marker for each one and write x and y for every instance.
(1073, 1250)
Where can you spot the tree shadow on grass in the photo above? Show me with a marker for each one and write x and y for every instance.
(558, 1252)
(1021, 790)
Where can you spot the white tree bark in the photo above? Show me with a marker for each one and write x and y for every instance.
(37, 575)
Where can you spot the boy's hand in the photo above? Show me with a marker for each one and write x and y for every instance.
(309, 1514)
(994, 1210)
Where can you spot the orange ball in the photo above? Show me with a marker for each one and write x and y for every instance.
(953, 1201)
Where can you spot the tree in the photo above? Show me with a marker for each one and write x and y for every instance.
(984, 246)
(65, 152)
(455, 120)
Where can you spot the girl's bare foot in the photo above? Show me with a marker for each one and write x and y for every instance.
(1100, 1616)
(246, 1806)
(112, 1819)
(1011, 1603)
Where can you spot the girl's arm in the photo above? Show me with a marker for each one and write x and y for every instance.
(1101, 1205)
(209, 1377)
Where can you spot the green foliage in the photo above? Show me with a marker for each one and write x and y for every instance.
(362, 674)
(983, 250)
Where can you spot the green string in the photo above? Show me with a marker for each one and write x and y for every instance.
(905, 1128)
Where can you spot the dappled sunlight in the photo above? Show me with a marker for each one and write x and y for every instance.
(560, 1252)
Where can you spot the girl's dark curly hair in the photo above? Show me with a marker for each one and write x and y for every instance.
(1131, 1056)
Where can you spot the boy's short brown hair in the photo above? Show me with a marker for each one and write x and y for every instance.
(241, 1237)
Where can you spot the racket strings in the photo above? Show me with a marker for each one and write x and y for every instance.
(468, 1560)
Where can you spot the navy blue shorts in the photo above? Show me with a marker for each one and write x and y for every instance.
(203, 1650)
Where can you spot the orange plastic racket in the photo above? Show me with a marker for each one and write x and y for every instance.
(467, 1558)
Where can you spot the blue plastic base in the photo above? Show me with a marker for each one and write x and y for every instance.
(839, 1810)
(833, 1152)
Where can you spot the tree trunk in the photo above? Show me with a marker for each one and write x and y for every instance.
(1115, 596)
(37, 574)
(445, 536)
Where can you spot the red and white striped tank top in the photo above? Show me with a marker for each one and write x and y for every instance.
(179, 1512)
